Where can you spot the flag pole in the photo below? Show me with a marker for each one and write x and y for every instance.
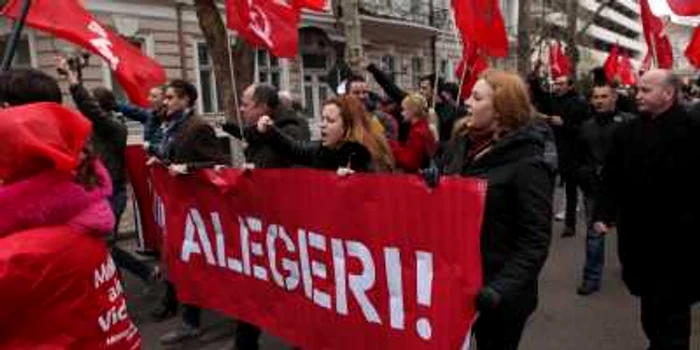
(461, 80)
(14, 39)
(550, 76)
(231, 66)
(435, 86)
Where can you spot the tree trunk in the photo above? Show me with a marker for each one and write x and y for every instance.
(217, 40)
(524, 29)
(571, 35)
(353, 34)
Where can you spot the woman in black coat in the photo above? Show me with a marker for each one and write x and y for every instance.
(338, 147)
(501, 144)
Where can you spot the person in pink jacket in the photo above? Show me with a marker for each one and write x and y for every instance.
(59, 288)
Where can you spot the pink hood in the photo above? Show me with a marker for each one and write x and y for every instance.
(53, 198)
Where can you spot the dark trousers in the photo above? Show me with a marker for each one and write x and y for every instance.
(191, 315)
(666, 322)
(123, 259)
(499, 330)
(128, 262)
(247, 336)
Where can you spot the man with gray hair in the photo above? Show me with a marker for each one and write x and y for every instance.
(650, 192)
(259, 100)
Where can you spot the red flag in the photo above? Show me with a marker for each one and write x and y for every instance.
(481, 23)
(646, 63)
(692, 52)
(559, 63)
(685, 7)
(270, 24)
(625, 71)
(315, 5)
(474, 63)
(656, 37)
(611, 64)
(68, 20)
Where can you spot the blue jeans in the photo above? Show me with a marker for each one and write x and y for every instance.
(595, 249)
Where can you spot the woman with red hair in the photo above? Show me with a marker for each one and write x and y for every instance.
(346, 140)
(501, 143)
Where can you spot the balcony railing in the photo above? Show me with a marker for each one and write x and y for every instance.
(416, 11)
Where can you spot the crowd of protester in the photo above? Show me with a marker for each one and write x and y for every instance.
(632, 154)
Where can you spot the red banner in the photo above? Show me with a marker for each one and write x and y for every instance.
(144, 213)
(366, 261)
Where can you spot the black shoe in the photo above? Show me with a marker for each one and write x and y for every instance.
(179, 335)
(568, 232)
(587, 288)
(164, 312)
(147, 252)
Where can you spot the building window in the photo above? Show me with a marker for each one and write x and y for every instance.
(388, 65)
(119, 92)
(209, 96)
(267, 68)
(23, 55)
(417, 69)
(443, 68)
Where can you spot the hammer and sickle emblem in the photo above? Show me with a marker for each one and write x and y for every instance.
(260, 24)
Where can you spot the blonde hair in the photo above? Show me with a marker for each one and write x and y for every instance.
(418, 104)
(511, 101)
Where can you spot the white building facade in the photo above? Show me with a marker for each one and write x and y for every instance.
(406, 38)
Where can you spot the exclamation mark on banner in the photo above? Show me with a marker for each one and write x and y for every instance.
(424, 290)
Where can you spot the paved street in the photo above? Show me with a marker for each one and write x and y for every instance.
(564, 321)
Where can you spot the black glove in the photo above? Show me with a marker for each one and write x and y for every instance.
(354, 156)
(488, 299)
(431, 175)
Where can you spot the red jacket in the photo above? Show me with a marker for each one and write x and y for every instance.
(59, 287)
(418, 148)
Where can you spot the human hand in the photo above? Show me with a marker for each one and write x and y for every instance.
(177, 169)
(601, 227)
(343, 172)
(265, 123)
(556, 120)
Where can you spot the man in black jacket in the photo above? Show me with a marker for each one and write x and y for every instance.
(259, 100)
(594, 143)
(650, 191)
(188, 141)
(569, 111)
